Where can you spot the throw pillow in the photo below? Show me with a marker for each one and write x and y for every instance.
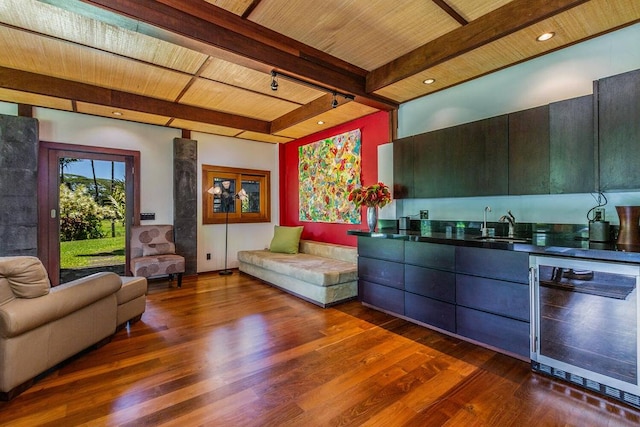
(158, 249)
(286, 239)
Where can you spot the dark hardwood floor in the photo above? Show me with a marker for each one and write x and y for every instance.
(232, 351)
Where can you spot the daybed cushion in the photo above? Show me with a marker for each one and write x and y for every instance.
(313, 269)
(285, 239)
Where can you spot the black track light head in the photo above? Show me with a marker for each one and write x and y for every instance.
(334, 103)
(274, 81)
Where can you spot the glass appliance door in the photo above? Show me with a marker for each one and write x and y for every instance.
(585, 322)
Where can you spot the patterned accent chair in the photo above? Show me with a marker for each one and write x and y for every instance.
(153, 252)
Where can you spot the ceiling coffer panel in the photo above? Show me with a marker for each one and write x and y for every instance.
(242, 77)
(217, 96)
(367, 34)
(121, 114)
(61, 24)
(27, 51)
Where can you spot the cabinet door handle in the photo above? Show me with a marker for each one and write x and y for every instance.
(532, 310)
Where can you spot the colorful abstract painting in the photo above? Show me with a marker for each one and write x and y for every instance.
(327, 168)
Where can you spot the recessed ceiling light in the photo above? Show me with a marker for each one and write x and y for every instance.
(320, 122)
(117, 113)
(429, 81)
(546, 36)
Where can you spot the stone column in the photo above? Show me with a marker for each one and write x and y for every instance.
(185, 201)
(18, 186)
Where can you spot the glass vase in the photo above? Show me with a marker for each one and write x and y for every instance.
(372, 218)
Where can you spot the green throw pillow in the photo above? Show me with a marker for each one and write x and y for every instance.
(286, 239)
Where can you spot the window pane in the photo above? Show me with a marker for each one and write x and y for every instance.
(252, 203)
(224, 202)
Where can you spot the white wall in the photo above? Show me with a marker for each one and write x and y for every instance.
(564, 74)
(8, 109)
(155, 144)
(239, 153)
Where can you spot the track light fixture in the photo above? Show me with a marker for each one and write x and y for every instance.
(334, 101)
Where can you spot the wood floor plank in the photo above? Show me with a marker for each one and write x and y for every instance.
(233, 351)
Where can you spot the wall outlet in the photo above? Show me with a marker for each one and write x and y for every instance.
(598, 214)
(208, 257)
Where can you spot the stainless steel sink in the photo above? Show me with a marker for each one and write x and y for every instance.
(504, 239)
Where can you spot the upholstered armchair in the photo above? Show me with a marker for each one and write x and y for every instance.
(153, 252)
(41, 326)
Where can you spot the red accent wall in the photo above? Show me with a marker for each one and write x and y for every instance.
(374, 130)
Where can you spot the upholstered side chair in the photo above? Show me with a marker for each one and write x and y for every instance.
(153, 252)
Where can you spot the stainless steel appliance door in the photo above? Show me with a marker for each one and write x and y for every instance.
(585, 319)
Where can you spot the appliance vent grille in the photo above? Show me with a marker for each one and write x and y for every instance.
(592, 385)
(623, 396)
(613, 392)
(576, 379)
(632, 399)
(559, 373)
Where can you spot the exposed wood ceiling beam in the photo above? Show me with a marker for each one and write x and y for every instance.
(308, 111)
(66, 89)
(250, 9)
(499, 23)
(202, 26)
(451, 11)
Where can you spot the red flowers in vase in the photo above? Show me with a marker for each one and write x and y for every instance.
(376, 195)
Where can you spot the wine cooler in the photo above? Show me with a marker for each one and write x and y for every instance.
(584, 324)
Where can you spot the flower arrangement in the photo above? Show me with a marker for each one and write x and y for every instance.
(376, 195)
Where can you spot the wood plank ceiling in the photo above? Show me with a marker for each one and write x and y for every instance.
(206, 65)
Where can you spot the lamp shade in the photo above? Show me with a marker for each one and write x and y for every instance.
(216, 191)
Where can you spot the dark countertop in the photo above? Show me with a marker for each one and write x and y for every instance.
(563, 245)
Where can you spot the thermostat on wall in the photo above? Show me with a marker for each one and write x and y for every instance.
(147, 216)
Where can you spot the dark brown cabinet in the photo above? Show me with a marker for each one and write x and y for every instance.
(478, 293)
(497, 331)
(492, 297)
(461, 161)
(619, 131)
(572, 146)
(381, 273)
(403, 164)
(580, 145)
(529, 151)
(430, 284)
(432, 159)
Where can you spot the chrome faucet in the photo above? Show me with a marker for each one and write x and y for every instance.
(485, 230)
(512, 223)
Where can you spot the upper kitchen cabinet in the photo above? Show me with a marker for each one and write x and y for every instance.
(619, 131)
(572, 143)
(433, 157)
(463, 160)
(529, 151)
(403, 165)
(480, 158)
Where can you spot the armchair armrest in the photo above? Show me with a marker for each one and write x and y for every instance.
(22, 314)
